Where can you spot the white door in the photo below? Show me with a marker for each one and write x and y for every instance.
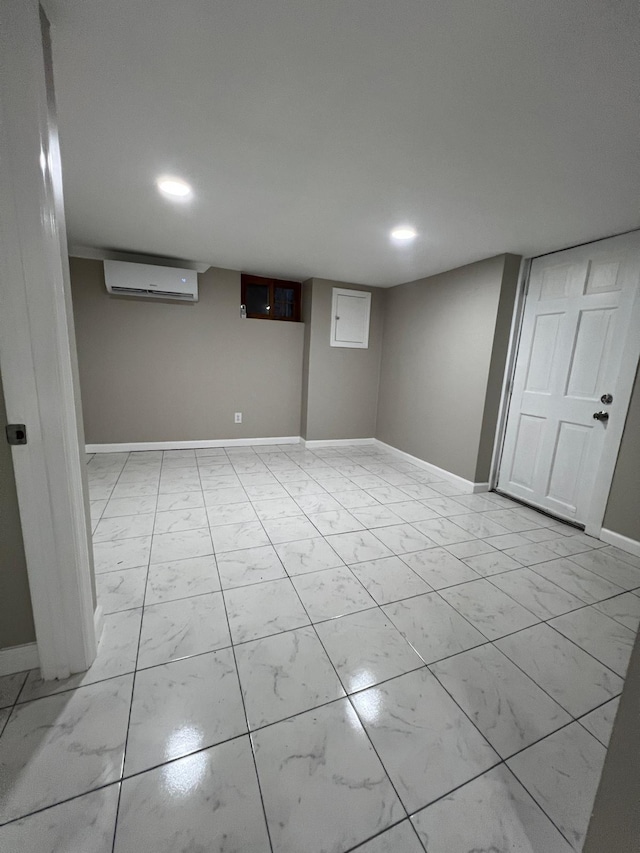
(579, 342)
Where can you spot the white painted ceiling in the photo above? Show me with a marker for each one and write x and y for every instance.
(308, 128)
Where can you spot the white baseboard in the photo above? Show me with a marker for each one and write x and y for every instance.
(129, 446)
(631, 546)
(98, 622)
(336, 442)
(469, 486)
(19, 658)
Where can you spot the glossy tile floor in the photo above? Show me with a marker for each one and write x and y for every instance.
(322, 651)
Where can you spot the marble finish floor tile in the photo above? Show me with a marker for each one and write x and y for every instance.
(181, 579)
(529, 555)
(281, 530)
(129, 506)
(181, 628)
(442, 531)
(263, 609)
(607, 640)
(446, 507)
(82, 732)
(410, 511)
(578, 581)
(439, 568)
(123, 527)
(476, 503)
(324, 787)
(493, 813)
(577, 682)
(236, 537)
(600, 721)
(508, 540)
(625, 609)
(231, 514)
(358, 547)
(492, 563)
(180, 500)
(225, 495)
(427, 745)
(471, 548)
(478, 525)
(317, 503)
(386, 494)
(164, 726)
(276, 508)
(284, 675)
(509, 708)
(83, 825)
(308, 555)
(375, 516)
(434, 628)
(355, 498)
(121, 590)
(619, 554)
(539, 595)
(513, 520)
(121, 554)
(332, 593)
(116, 655)
(366, 648)
(207, 801)
(249, 565)
(389, 579)
(175, 520)
(180, 546)
(303, 487)
(203, 559)
(562, 773)
(335, 521)
(489, 609)
(402, 538)
(10, 687)
(609, 567)
(399, 839)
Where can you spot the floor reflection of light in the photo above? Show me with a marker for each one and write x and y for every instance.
(182, 741)
(369, 705)
(361, 679)
(182, 777)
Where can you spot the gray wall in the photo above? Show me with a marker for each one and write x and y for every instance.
(341, 391)
(440, 350)
(16, 616)
(160, 371)
(623, 508)
(615, 819)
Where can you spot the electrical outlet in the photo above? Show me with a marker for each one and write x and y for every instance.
(238, 417)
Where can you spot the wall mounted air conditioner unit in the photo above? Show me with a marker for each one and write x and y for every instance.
(147, 280)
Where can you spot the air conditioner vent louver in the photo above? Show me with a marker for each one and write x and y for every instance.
(150, 282)
(139, 291)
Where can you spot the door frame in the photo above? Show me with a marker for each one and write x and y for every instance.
(631, 356)
(37, 349)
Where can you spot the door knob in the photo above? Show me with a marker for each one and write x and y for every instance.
(601, 416)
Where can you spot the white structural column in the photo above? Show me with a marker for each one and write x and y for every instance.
(37, 347)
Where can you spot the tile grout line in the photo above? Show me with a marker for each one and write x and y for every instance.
(133, 682)
(246, 718)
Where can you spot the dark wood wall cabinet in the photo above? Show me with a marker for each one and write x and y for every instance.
(271, 298)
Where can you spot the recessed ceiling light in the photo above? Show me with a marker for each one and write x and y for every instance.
(174, 187)
(404, 233)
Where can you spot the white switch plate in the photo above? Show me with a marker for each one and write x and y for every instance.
(238, 417)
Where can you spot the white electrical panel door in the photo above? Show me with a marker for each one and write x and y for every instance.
(350, 313)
